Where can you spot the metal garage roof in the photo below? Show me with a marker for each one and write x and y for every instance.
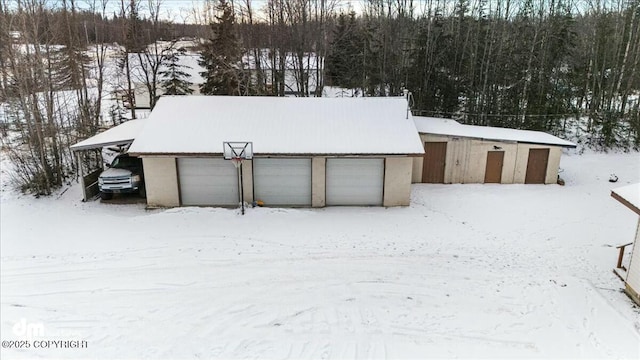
(448, 127)
(122, 134)
(277, 125)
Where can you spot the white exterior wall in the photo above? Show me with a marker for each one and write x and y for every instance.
(466, 160)
(633, 275)
(457, 158)
(457, 163)
(318, 181)
(161, 181)
(247, 180)
(416, 176)
(555, 152)
(477, 164)
(397, 181)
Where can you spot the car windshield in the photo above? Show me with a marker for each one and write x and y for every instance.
(126, 162)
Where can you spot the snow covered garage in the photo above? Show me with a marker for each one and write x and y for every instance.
(457, 153)
(308, 152)
(630, 197)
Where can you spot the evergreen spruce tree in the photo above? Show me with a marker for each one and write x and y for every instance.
(345, 62)
(222, 55)
(65, 67)
(174, 80)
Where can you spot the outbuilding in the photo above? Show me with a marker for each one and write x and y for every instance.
(458, 153)
(307, 152)
(630, 197)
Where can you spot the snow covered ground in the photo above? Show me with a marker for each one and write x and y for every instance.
(481, 271)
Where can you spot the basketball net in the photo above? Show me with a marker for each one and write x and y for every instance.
(236, 161)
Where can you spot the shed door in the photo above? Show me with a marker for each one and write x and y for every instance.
(493, 172)
(282, 181)
(354, 181)
(205, 181)
(537, 166)
(434, 162)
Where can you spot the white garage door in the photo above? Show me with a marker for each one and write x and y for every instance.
(206, 181)
(355, 181)
(282, 181)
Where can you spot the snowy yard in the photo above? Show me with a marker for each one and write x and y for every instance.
(465, 271)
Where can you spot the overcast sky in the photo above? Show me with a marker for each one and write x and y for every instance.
(183, 10)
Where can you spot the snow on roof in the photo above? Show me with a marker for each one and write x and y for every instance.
(629, 196)
(439, 126)
(119, 135)
(426, 122)
(278, 125)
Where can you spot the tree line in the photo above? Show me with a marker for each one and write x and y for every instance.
(567, 67)
(55, 73)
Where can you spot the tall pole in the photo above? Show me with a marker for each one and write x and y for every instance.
(241, 188)
(81, 173)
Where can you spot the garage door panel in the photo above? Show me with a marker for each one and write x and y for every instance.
(354, 181)
(205, 181)
(284, 182)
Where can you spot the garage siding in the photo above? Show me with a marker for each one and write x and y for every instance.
(161, 181)
(318, 181)
(397, 181)
(466, 160)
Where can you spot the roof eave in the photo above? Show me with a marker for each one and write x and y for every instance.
(625, 202)
(209, 154)
(99, 145)
(572, 146)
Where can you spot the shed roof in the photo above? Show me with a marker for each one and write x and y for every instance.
(122, 134)
(629, 196)
(276, 125)
(448, 127)
(429, 122)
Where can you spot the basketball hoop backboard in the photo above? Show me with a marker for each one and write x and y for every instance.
(237, 150)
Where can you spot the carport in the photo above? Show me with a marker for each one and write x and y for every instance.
(89, 153)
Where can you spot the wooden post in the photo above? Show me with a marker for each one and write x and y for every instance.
(621, 255)
(81, 171)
